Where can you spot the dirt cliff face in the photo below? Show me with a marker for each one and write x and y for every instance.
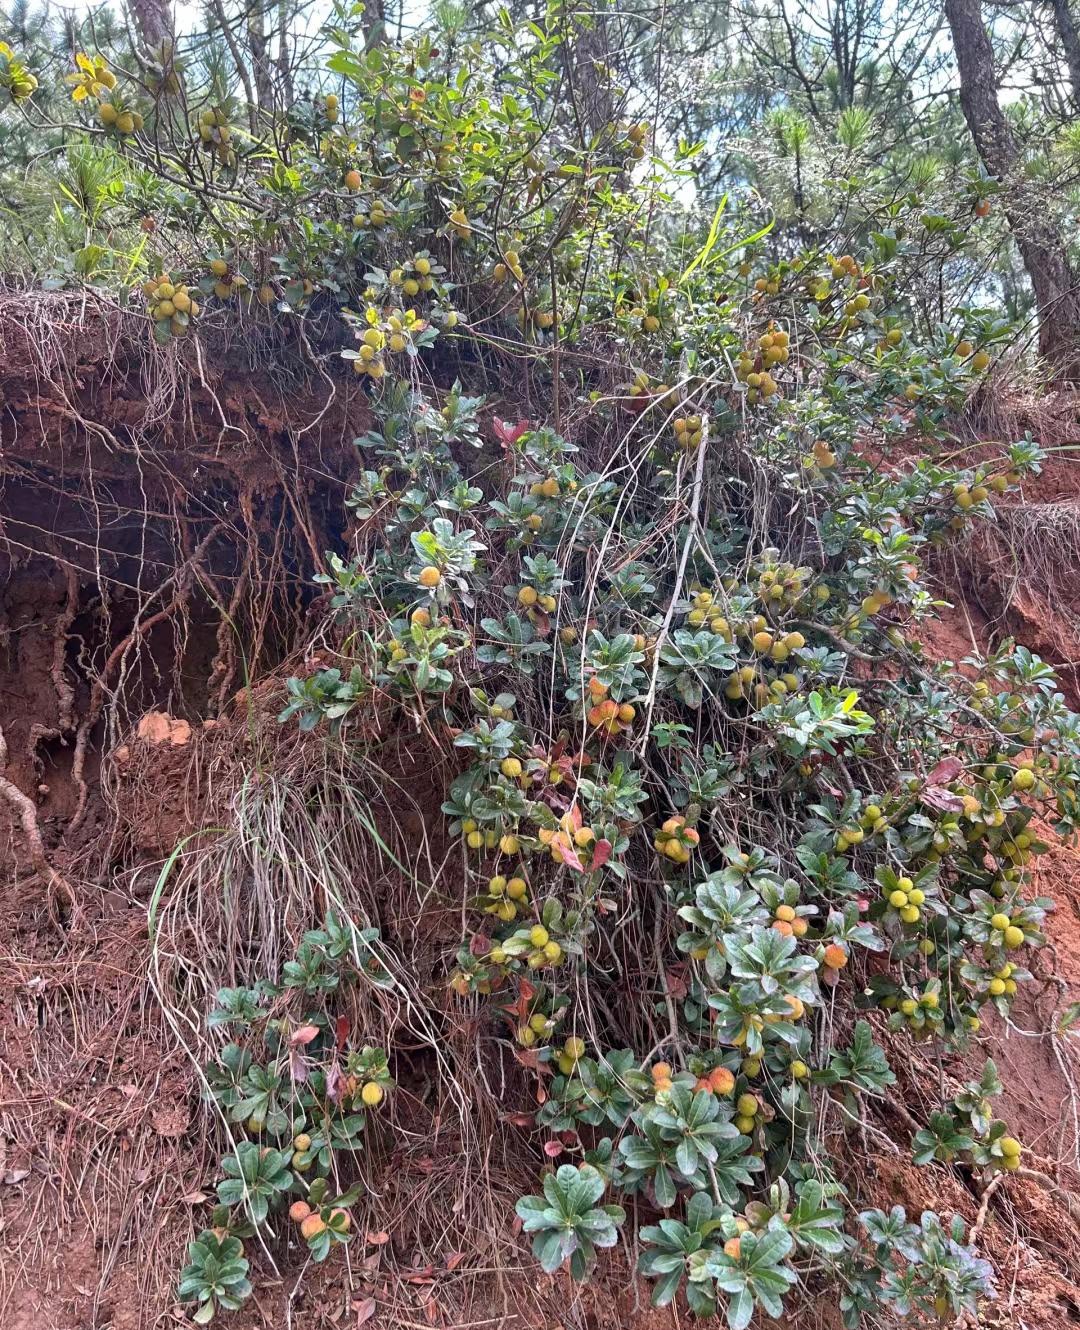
(160, 527)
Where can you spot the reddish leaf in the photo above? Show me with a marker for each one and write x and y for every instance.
(553, 1149)
(298, 1065)
(454, 1260)
(341, 1031)
(379, 1239)
(601, 854)
(506, 433)
(479, 944)
(946, 770)
(425, 1164)
(575, 816)
(431, 1310)
(421, 1276)
(934, 796)
(528, 1057)
(365, 1309)
(334, 1081)
(569, 854)
(303, 1036)
(521, 1119)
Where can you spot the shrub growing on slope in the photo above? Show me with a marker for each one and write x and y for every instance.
(712, 799)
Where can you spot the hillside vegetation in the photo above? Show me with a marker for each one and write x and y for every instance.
(490, 517)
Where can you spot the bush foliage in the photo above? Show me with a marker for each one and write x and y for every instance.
(726, 831)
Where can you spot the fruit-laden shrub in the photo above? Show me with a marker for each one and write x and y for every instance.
(713, 799)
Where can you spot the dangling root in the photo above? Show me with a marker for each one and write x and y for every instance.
(27, 814)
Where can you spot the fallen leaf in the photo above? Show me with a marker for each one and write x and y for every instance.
(14, 1175)
(304, 1035)
(365, 1309)
(376, 1239)
(454, 1260)
(946, 770)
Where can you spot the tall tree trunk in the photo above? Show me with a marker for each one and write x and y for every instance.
(260, 59)
(1065, 25)
(154, 22)
(1057, 295)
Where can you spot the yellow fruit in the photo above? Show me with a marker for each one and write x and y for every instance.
(517, 888)
(916, 896)
(1000, 922)
(996, 987)
(745, 1124)
(527, 596)
(1010, 1147)
(799, 1070)
(898, 899)
(1024, 779)
(371, 1093)
(107, 113)
(785, 912)
(910, 914)
(302, 1142)
(509, 844)
(353, 180)
(299, 1211)
(125, 122)
(429, 576)
(538, 935)
(312, 1226)
(979, 361)
(510, 767)
(747, 1105)
(1014, 937)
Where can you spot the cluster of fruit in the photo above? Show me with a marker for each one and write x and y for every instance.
(641, 393)
(763, 286)
(565, 837)
(541, 1025)
(393, 333)
(377, 215)
(117, 118)
(313, 1222)
(719, 1081)
(476, 839)
(661, 1076)
(788, 922)
(508, 265)
(171, 306)
(460, 225)
(227, 281)
(610, 716)
(704, 610)
(781, 584)
(571, 1053)
(676, 841)
(508, 895)
(754, 364)
(777, 647)
(1005, 932)
(330, 107)
(1003, 984)
(543, 949)
(215, 135)
(1011, 1150)
(549, 488)
(747, 1112)
(637, 135)
(687, 432)
(978, 360)
(541, 319)
(907, 900)
(529, 598)
(417, 275)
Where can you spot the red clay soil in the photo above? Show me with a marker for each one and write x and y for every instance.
(102, 1162)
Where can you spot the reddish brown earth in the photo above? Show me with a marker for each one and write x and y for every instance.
(111, 479)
